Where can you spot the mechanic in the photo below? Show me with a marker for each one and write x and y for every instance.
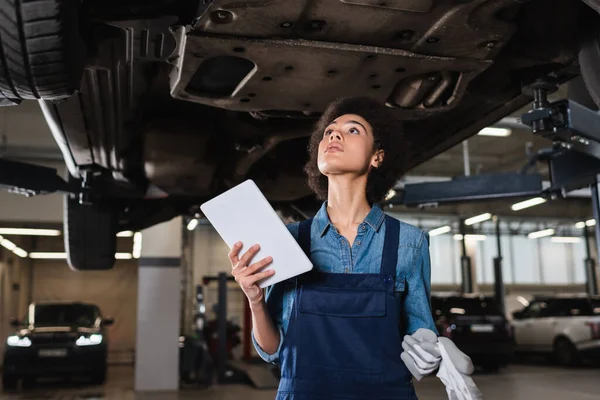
(337, 330)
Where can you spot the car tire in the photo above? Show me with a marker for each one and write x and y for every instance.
(41, 51)
(9, 382)
(565, 353)
(90, 234)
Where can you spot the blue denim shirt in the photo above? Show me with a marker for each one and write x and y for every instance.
(331, 252)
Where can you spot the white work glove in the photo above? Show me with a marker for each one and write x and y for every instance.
(424, 352)
(455, 372)
(421, 355)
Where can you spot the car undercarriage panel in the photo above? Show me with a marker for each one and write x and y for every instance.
(304, 76)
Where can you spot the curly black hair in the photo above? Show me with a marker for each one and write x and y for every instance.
(388, 136)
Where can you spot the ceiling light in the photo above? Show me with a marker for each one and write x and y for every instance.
(8, 244)
(125, 234)
(471, 237)
(439, 231)
(390, 194)
(29, 232)
(137, 245)
(20, 252)
(492, 131)
(478, 218)
(38, 255)
(565, 239)
(580, 225)
(192, 224)
(123, 256)
(541, 234)
(590, 222)
(523, 301)
(528, 203)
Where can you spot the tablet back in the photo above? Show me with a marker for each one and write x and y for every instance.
(243, 214)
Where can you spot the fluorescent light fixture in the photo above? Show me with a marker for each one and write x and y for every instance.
(456, 310)
(62, 256)
(528, 203)
(137, 245)
(440, 231)
(580, 225)
(192, 224)
(125, 234)
(590, 222)
(8, 244)
(16, 341)
(93, 340)
(523, 301)
(565, 239)
(493, 131)
(390, 194)
(541, 234)
(29, 232)
(40, 255)
(477, 219)
(477, 238)
(20, 252)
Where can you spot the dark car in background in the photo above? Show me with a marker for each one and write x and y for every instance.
(57, 340)
(477, 326)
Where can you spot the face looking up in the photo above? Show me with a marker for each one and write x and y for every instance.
(347, 147)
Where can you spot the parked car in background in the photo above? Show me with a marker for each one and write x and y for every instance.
(477, 326)
(566, 327)
(57, 339)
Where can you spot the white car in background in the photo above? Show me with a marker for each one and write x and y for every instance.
(567, 327)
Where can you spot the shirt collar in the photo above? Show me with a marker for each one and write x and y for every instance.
(374, 218)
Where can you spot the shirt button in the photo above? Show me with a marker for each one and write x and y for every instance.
(358, 242)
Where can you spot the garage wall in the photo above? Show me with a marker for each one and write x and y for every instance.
(114, 291)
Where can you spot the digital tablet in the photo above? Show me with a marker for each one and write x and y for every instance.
(243, 214)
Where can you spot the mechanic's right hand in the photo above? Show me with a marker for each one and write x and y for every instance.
(247, 275)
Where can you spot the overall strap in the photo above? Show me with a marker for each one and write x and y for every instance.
(389, 259)
(304, 235)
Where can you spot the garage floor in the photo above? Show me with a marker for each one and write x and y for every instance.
(519, 382)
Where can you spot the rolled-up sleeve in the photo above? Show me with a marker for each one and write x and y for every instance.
(274, 300)
(417, 304)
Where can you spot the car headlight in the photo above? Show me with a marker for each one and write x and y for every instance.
(16, 341)
(91, 340)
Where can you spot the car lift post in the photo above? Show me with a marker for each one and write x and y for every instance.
(222, 329)
(590, 265)
(465, 262)
(498, 278)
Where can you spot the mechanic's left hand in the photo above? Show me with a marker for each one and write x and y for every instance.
(421, 355)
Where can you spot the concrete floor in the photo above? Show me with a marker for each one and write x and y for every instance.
(518, 382)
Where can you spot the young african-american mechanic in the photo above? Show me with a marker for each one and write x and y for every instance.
(337, 331)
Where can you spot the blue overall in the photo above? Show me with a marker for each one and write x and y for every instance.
(343, 339)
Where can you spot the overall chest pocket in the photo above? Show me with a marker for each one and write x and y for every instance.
(342, 329)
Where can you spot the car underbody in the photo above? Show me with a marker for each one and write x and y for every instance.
(177, 101)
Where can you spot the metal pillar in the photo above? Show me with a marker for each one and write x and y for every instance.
(498, 278)
(222, 329)
(592, 283)
(465, 262)
(590, 264)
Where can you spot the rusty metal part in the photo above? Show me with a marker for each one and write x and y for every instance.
(280, 80)
(459, 26)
